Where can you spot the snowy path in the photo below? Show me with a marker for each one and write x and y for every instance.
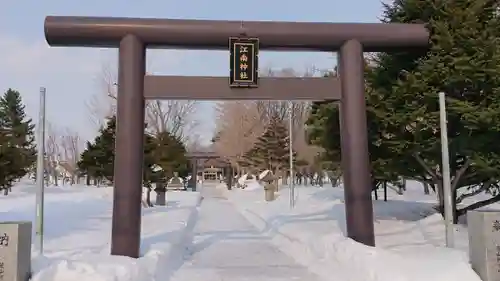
(227, 247)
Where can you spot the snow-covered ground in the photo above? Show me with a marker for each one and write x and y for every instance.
(78, 233)
(215, 234)
(226, 246)
(409, 235)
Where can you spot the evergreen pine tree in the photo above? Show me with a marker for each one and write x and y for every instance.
(97, 160)
(251, 159)
(271, 151)
(87, 164)
(18, 145)
(170, 154)
(149, 176)
(5, 162)
(464, 63)
(402, 99)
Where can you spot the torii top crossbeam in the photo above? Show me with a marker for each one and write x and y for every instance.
(213, 35)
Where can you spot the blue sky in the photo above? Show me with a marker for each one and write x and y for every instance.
(73, 76)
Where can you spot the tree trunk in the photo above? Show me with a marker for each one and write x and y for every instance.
(440, 195)
(148, 197)
(426, 188)
(229, 179)
(161, 198)
(454, 206)
(56, 179)
(333, 181)
(385, 191)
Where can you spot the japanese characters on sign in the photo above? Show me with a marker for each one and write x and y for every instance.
(244, 53)
(496, 225)
(4, 240)
(497, 254)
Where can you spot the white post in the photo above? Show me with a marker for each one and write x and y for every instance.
(290, 144)
(448, 208)
(40, 171)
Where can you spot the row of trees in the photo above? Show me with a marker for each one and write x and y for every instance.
(17, 141)
(402, 102)
(169, 125)
(249, 132)
(18, 148)
(169, 133)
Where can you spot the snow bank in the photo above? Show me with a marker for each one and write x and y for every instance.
(92, 268)
(253, 185)
(249, 181)
(79, 248)
(313, 234)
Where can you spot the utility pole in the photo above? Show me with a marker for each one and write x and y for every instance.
(40, 171)
(448, 208)
(290, 144)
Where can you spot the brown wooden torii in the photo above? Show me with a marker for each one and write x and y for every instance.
(205, 155)
(132, 36)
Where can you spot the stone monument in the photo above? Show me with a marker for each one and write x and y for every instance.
(484, 243)
(161, 197)
(15, 251)
(176, 183)
(269, 185)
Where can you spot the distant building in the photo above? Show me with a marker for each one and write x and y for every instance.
(211, 169)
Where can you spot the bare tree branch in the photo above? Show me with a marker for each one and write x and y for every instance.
(239, 124)
(173, 116)
(52, 149)
(71, 147)
(238, 127)
(103, 104)
(194, 143)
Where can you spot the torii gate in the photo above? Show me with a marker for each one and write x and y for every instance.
(204, 155)
(132, 36)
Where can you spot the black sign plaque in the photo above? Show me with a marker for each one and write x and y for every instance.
(244, 57)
